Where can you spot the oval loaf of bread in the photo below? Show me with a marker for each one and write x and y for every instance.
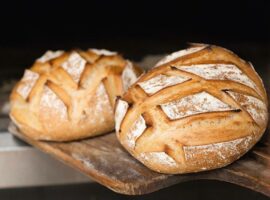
(199, 109)
(70, 95)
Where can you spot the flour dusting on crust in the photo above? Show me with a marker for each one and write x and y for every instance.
(98, 107)
(27, 83)
(103, 98)
(194, 104)
(255, 107)
(221, 151)
(158, 158)
(128, 76)
(179, 54)
(51, 101)
(251, 65)
(159, 82)
(120, 112)
(220, 72)
(49, 55)
(135, 131)
(103, 102)
(74, 66)
(104, 52)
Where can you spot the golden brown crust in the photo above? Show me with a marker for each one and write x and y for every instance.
(196, 112)
(68, 95)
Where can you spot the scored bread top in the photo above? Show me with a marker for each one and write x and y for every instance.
(71, 95)
(198, 109)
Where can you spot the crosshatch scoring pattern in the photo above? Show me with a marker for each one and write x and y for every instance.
(196, 110)
(69, 95)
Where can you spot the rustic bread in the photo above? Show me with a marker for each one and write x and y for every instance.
(70, 95)
(198, 109)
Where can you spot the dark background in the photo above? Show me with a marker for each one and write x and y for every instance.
(52, 22)
(135, 29)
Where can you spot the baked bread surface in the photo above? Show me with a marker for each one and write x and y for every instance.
(198, 109)
(70, 95)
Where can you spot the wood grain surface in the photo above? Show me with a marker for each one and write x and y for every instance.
(104, 160)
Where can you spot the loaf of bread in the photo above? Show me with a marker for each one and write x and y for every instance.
(70, 95)
(198, 109)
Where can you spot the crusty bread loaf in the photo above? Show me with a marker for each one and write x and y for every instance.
(198, 109)
(70, 95)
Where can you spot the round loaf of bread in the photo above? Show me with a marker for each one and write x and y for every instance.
(70, 95)
(198, 109)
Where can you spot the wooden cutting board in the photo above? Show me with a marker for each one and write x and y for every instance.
(105, 161)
